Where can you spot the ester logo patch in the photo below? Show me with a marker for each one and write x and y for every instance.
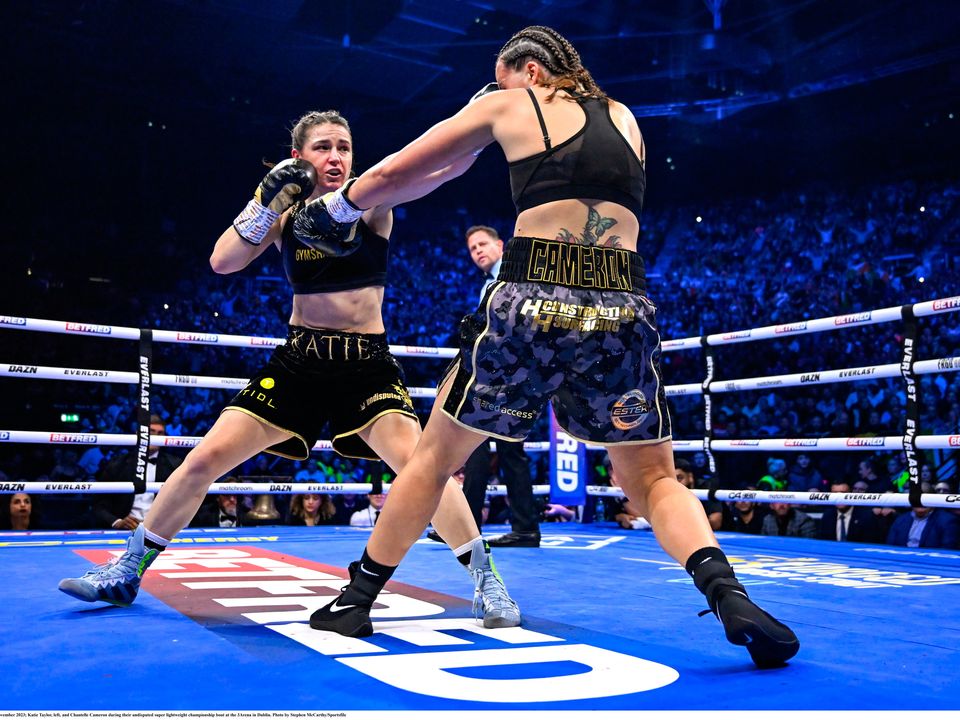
(267, 383)
(629, 410)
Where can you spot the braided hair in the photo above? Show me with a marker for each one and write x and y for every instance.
(557, 55)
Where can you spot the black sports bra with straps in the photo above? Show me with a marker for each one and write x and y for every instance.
(597, 163)
(310, 271)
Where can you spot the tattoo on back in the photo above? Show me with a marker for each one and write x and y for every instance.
(593, 232)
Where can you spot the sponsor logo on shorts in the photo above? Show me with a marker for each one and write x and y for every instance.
(73, 438)
(267, 383)
(865, 442)
(851, 319)
(802, 442)
(503, 410)
(24, 369)
(630, 410)
(13, 487)
(583, 266)
(546, 314)
(192, 337)
(257, 396)
(88, 329)
(11, 320)
(399, 393)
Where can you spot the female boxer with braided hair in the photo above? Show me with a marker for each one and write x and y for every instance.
(335, 368)
(568, 321)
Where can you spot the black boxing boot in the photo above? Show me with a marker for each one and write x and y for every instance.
(769, 642)
(349, 613)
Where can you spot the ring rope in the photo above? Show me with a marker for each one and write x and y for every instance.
(187, 338)
(868, 317)
(816, 377)
(908, 368)
(284, 487)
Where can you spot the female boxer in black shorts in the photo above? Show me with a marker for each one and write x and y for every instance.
(567, 321)
(335, 368)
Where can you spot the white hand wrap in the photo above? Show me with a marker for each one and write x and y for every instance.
(254, 222)
(340, 208)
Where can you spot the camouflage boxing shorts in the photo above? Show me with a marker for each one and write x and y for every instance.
(570, 324)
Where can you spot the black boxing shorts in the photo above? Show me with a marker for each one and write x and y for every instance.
(570, 324)
(325, 378)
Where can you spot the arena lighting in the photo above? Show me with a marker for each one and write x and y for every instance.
(923, 209)
(699, 219)
(921, 278)
(166, 307)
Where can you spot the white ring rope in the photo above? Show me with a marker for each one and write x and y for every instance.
(187, 338)
(871, 317)
(807, 497)
(817, 377)
(170, 441)
(280, 487)
(889, 442)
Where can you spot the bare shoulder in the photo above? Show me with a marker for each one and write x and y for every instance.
(622, 114)
(624, 119)
(380, 220)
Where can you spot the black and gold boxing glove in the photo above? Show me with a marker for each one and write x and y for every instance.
(287, 182)
(329, 223)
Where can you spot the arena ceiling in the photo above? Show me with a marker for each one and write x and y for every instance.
(712, 81)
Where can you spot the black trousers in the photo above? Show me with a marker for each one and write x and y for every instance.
(515, 470)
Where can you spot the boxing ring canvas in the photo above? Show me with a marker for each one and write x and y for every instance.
(610, 623)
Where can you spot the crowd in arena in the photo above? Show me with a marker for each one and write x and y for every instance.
(726, 267)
